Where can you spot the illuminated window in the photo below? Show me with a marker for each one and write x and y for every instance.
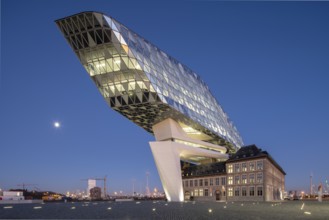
(236, 167)
(244, 167)
(211, 182)
(251, 178)
(217, 181)
(196, 192)
(200, 192)
(244, 191)
(252, 166)
(259, 165)
(259, 191)
(237, 179)
(259, 177)
(244, 179)
(237, 191)
(230, 191)
(230, 180)
(230, 168)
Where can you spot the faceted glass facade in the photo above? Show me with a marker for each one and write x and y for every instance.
(143, 83)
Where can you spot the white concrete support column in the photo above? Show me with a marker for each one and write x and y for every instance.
(171, 146)
(167, 160)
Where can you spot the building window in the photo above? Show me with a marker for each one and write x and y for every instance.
(251, 178)
(191, 183)
(259, 191)
(244, 191)
(244, 179)
(223, 181)
(229, 180)
(251, 190)
(237, 179)
(230, 168)
(237, 168)
(237, 191)
(229, 191)
(186, 183)
(252, 166)
(211, 182)
(260, 165)
(200, 182)
(200, 192)
(195, 182)
(217, 181)
(206, 192)
(196, 192)
(192, 193)
(205, 182)
(244, 167)
(259, 177)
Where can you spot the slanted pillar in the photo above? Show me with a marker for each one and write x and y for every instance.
(171, 146)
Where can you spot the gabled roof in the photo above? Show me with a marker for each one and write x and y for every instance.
(253, 152)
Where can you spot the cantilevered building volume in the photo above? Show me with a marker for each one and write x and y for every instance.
(155, 91)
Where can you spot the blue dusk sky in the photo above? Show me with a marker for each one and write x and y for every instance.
(267, 63)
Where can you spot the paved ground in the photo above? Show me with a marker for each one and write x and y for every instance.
(164, 210)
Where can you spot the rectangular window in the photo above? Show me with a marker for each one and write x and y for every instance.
(244, 167)
(211, 182)
(200, 192)
(237, 191)
(195, 182)
(191, 183)
(186, 183)
(259, 191)
(244, 179)
(200, 182)
(259, 177)
(237, 179)
(237, 168)
(205, 182)
(260, 165)
(251, 190)
(252, 166)
(206, 192)
(230, 168)
(196, 192)
(230, 191)
(252, 178)
(217, 181)
(244, 191)
(230, 180)
(223, 181)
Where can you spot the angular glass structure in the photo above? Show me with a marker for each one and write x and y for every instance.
(155, 91)
(143, 83)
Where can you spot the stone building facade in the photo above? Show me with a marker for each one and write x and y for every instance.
(248, 175)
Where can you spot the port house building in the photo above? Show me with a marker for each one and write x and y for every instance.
(166, 98)
(248, 175)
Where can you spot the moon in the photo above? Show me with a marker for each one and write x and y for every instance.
(57, 124)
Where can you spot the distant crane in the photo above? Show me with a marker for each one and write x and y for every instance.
(98, 178)
(23, 185)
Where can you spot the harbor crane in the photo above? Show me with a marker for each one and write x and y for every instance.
(23, 185)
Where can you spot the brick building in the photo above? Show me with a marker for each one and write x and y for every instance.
(250, 174)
